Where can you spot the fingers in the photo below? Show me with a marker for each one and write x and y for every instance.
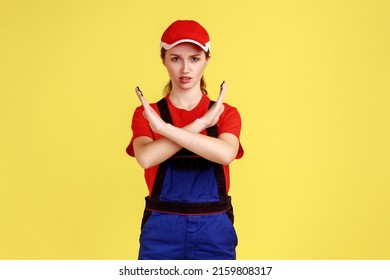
(222, 93)
(141, 96)
(139, 93)
(223, 85)
(139, 90)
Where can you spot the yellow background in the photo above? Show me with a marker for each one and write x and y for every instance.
(310, 78)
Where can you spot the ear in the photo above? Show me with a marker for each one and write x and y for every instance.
(208, 60)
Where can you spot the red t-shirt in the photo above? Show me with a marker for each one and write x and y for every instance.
(229, 121)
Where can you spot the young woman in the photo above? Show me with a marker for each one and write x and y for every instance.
(185, 142)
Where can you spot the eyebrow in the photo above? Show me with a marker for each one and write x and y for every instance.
(197, 54)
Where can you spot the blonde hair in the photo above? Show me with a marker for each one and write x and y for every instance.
(168, 86)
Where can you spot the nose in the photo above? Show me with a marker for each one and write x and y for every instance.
(185, 67)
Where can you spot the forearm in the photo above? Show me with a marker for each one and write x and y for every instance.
(221, 150)
(150, 152)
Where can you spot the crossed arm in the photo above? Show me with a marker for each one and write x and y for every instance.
(149, 152)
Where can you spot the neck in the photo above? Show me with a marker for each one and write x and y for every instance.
(185, 99)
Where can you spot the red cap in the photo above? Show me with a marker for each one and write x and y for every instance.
(182, 31)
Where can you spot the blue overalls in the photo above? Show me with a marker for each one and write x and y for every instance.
(188, 215)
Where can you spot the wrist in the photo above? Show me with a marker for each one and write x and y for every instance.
(165, 129)
(160, 128)
(200, 124)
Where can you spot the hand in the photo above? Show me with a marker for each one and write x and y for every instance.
(212, 116)
(155, 121)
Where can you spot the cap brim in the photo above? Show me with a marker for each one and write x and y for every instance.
(166, 46)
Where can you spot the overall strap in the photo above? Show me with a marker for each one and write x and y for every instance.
(164, 110)
(213, 130)
(162, 105)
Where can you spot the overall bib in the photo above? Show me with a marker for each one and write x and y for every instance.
(188, 215)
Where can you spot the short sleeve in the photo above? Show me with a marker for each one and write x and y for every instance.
(230, 122)
(140, 127)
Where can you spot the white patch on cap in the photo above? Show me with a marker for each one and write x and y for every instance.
(170, 46)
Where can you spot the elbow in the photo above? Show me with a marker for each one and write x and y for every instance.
(229, 150)
(227, 162)
(144, 162)
(227, 158)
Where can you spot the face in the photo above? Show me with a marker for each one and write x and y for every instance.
(185, 64)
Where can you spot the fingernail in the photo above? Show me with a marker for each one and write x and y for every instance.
(139, 90)
(222, 83)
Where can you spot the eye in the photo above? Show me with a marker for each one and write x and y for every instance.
(175, 59)
(195, 59)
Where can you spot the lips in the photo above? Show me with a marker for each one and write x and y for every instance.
(185, 79)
